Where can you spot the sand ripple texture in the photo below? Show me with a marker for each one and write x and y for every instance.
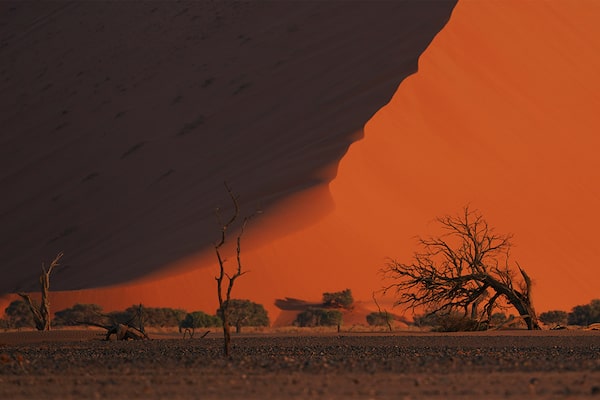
(329, 366)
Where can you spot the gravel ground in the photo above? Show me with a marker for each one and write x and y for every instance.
(544, 365)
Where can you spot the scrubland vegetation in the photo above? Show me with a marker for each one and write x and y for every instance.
(462, 278)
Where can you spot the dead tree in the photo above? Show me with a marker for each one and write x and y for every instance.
(190, 331)
(384, 313)
(224, 298)
(122, 331)
(41, 312)
(464, 268)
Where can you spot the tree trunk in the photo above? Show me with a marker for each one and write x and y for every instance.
(37, 317)
(45, 304)
(520, 301)
(226, 336)
(41, 313)
(525, 310)
(531, 318)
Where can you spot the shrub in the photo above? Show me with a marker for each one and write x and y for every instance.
(341, 299)
(199, 319)
(156, 317)
(379, 319)
(318, 317)
(244, 313)
(4, 325)
(79, 313)
(449, 322)
(586, 314)
(19, 315)
(554, 317)
(498, 318)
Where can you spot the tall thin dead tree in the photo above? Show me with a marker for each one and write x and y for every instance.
(463, 268)
(41, 312)
(383, 313)
(224, 298)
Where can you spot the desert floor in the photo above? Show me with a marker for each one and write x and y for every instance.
(511, 364)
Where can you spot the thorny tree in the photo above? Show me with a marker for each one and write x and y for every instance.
(41, 312)
(224, 298)
(465, 268)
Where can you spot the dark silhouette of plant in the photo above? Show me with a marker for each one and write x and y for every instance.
(449, 321)
(159, 317)
(125, 325)
(342, 299)
(585, 314)
(18, 315)
(41, 312)
(554, 317)
(77, 315)
(498, 320)
(380, 318)
(463, 269)
(319, 317)
(244, 313)
(224, 294)
(195, 320)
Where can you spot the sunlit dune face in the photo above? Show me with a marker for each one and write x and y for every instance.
(502, 116)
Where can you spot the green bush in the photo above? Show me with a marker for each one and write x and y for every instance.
(199, 319)
(78, 314)
(244, 313)
(341, 299)
(585, 314)
(155, 317)
(18, 315)
(318, 317)
(449, 322)
(554, 317)
(379, 319)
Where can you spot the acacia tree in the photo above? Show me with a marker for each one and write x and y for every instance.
(197, 319)
(225, 297)
(342, 299)
(41, 312)
(464, 268)
(554, 317)
(78, 314)
(244, 313)
(18, 315)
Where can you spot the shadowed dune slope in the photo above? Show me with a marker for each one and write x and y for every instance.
(120, 122)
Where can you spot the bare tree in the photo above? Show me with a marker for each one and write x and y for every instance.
(384, 313)
(465, 267)
(41, 312)
(224, 298)
(127, 330)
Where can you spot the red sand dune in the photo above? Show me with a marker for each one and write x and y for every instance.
(501, 115)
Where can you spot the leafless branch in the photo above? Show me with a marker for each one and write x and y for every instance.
(456, 270)
(231, 276)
